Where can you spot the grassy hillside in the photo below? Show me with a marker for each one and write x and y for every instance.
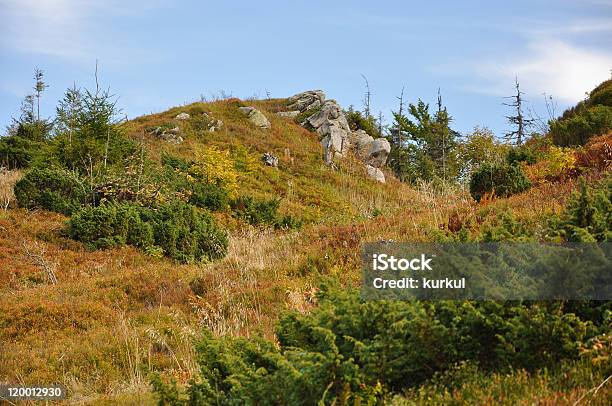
(115, 315)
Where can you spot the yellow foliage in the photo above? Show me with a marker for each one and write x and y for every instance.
(557, 163)
(216, 166)
(560, 161)
(244, 161)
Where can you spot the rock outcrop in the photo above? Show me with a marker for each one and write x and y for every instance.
(289, 114)
(329, 121)
(172, 135)
(308, 100)
(256, 117)
(203, 121)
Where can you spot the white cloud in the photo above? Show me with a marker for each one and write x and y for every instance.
(555, 67)
(590, 25)
(63, 28)
(48, 27)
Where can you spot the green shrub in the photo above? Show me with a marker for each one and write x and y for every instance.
(358, 121)
(187, 234)
(521, 154)
(51, 189)
(255, 211)
(348, 351)
(588, 215)
(262, 212)
(181, 231)
(18, 152)
(212, 197)
(196, 109)
(577, 129)
(602, 94)
(288, 222)
(110, 225)
(500, 180)
(589, 118)
(505, 227)
(175, 162)
(37, 130)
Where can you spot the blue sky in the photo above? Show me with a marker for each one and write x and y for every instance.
(157, 54)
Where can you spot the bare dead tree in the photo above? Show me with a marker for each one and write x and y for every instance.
(35, 253)
(443, 133)
(551, 106)
(518, 120)
(380, 125)
(400, 113)
(366, 98)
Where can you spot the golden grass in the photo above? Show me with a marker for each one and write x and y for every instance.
(7, 182)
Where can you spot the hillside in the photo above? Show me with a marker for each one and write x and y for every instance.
(116, 314)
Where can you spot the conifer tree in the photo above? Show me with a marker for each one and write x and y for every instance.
(39, 87)
(68, 111)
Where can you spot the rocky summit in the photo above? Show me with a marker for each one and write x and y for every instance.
(328, 119)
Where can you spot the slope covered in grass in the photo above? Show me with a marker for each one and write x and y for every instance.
(116, 315)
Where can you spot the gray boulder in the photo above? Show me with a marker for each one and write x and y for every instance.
(310, 99)
(269, 159)
(182, 116)
(360, 139)
(376, 152)
(372, 151)
(375, 173)
(256, 117)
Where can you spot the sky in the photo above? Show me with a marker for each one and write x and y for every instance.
(158, 54)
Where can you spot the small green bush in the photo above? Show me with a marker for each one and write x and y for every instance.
(521, 154)
(187, 234)
(212, 197)
(262, 212)
(180, 230)
(109, 225)
(51, 189)
(175, 162)
(358, 121)
(505, 227)
(588, 215)
(501, 180)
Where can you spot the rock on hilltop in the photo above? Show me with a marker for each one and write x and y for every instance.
(329, 121)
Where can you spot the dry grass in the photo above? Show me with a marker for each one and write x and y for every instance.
(7, 183)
